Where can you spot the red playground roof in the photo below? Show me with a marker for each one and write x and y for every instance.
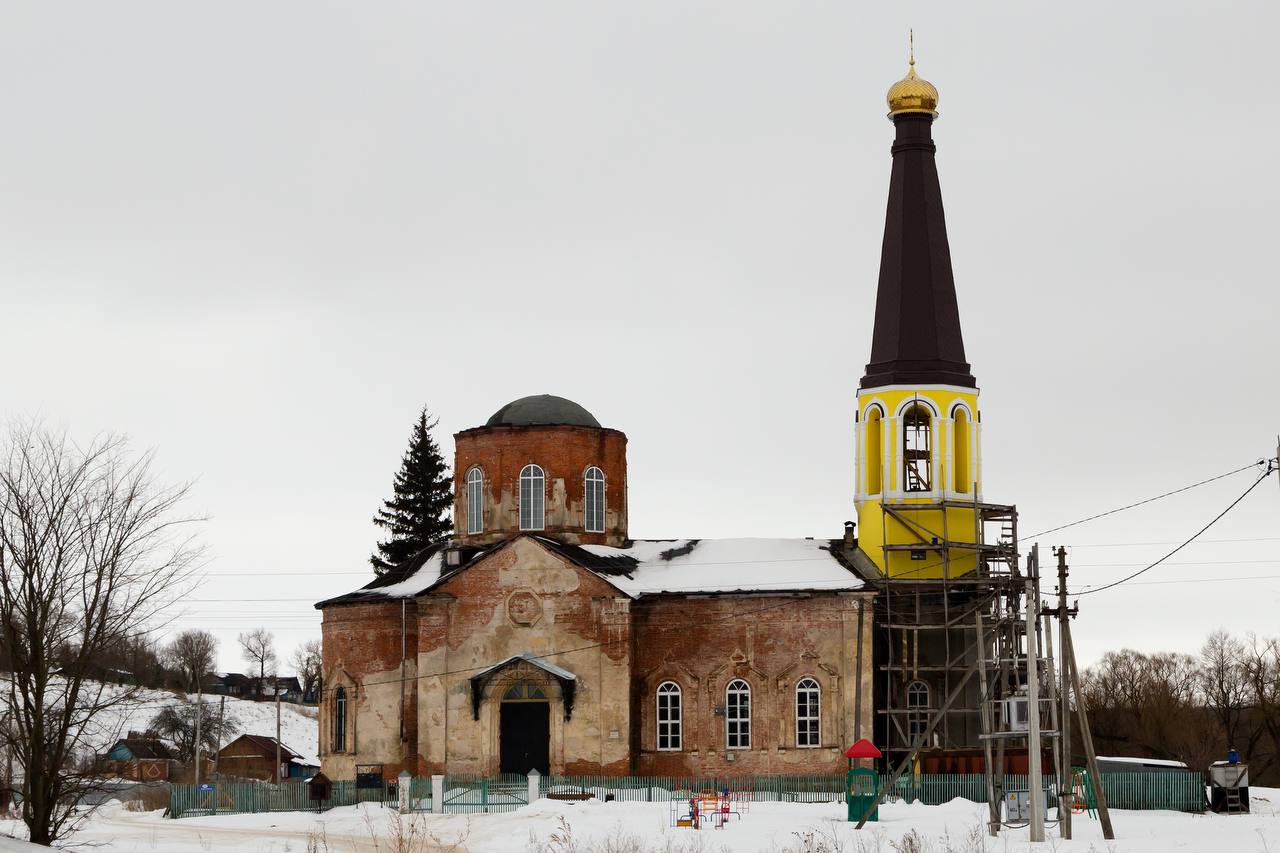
(862, 749)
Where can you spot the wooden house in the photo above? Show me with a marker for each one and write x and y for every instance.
(254, 757)
(141, 756)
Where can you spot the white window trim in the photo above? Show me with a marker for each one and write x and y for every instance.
(809, 684)
(540, 478)
(475, 502)
(587, 481)
(675, 726)
(746, 691)
(913, 710)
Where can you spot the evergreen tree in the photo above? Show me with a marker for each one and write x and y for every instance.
(418, 514)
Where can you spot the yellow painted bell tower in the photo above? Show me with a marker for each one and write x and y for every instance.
(918, 427)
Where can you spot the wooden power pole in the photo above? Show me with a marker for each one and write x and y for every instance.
(277, 680)
(1072, 679)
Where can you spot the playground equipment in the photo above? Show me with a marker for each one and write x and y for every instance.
(863, 784)
(707, 808)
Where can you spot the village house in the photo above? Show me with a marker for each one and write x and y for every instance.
(141, 756)
(254, 757)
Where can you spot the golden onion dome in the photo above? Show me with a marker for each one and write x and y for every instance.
(912, 94)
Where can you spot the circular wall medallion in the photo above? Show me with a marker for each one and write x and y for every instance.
(524, 607)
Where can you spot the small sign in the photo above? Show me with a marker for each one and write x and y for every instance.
(205, 788)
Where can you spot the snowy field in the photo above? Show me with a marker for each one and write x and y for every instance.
(555, 827)
(298, 730)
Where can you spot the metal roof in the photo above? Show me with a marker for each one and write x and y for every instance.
(542, 409)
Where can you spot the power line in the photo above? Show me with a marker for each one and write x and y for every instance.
(1271, 467)
(1149, 500)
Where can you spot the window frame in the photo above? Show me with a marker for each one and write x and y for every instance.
(674, 725)
(917, 447)
(917, 714)
(593, 504)
(812, 731)
(340, 719)
(734, 713)
(475, 500)
(527, 474)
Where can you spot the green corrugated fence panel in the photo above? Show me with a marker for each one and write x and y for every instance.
(1178, 791)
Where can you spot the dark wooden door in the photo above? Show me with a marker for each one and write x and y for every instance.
(525, 737)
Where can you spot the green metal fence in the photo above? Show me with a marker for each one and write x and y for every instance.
(239, 797)
(1178, 791)
(1183, 792)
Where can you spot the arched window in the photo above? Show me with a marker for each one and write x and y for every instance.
(917, 453)
(875, 453)
(593, 483)
(808, 713)
(340, 720)
(960, 450)
(670, 720)
(521, 692)
(532, 495)
(475, 500)
(737, 714)
(917, 709)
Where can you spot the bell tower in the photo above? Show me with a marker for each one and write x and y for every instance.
(918, 430)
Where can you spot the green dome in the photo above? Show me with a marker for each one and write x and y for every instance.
(542, 409)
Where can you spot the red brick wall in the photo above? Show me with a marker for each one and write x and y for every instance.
(564, 453)
(771, 643)
(365, 641)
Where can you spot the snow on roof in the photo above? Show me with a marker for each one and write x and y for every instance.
(540, 662)
(729, 565)
(1156, 762)
(653, 566)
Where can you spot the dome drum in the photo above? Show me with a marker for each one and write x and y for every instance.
(541, 465)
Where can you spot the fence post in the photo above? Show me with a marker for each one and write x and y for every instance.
(484, 795)
(437, 794)
(403, 782)
(534, 778)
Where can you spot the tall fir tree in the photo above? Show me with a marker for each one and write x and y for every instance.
(418, 514)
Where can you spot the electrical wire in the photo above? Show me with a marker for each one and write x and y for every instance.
(1150, 500)
(1271, 468)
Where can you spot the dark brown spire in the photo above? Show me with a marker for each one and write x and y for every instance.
(917, 338)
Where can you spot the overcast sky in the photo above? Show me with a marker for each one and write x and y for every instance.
(257, 237)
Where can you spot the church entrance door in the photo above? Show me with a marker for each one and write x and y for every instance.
(525, 731)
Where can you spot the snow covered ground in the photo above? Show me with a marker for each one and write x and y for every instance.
(299, 729)
(556, 827)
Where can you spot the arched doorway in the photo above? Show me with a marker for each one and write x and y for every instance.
(525, 730)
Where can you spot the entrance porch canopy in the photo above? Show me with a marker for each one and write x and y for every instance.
(568, 681)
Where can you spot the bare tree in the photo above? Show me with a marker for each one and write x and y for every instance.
(177, 725)
(92, 551)
(306, 662)
(1224, 683)
(258, 648)
(192, 653)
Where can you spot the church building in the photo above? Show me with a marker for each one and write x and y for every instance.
(542, 636)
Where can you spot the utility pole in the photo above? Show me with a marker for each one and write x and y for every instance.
(984, 715)
(1035, 788)
(1071, 687)
(199, 714)
(1051, 697)
(222, 719)
(277, 680)
(1067, 782)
